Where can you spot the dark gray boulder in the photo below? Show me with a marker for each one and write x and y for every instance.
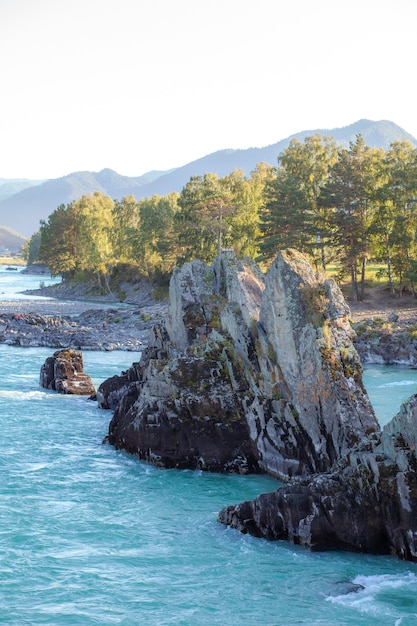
(368, 502)
(64, 372)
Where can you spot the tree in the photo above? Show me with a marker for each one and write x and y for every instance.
(248, 198)
(293, 215)
(284, 222)
(126, 225)
(58, 247)
(399, 204)
(157, 248)
(349, 193)
(30, 249)
(94, 236)
(206, 204)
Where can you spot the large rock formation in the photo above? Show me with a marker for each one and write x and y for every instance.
(264, 376)
(261, 376)
(64, 372)
(367, 503)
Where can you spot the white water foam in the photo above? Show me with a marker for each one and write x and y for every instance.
(23, 395)
(387, 593)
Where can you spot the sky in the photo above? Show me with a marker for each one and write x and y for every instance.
(141, 85)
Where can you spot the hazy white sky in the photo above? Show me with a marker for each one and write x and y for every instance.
(137, 85)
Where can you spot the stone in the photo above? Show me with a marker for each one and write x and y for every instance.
(64, 373)
(262, 376)
(368, 502)
(113, 389)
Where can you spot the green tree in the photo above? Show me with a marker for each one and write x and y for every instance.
(204, 202)
(248, 199)
(309, 164)
(284, 222)
(58, 247)
(293, 214)
(156, 240)
(126, 226)
(30, 249)
(94, 236)
(350, 194)
(399, 195)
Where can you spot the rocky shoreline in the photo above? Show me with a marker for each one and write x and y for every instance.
(73, 315)
(51, 318)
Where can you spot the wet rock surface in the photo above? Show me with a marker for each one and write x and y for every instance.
(367, 503)
(64, 372)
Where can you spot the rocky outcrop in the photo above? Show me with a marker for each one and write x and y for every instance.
(263, 375)
(112, 390)
(64, 372)
(308, 360)
(367, 503)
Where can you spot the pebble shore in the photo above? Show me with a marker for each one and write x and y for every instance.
(83, 324)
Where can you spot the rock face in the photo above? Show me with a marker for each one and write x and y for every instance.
(64, 372)
(307, 359)
(262, 376)
(367, 503)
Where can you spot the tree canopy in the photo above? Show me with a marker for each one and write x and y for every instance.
(345, 205)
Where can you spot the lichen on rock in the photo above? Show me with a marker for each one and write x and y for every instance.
(240, 379)
(264, 376)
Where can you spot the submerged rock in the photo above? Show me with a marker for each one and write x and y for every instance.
(64, 372)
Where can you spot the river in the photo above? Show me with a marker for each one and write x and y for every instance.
(92, 536)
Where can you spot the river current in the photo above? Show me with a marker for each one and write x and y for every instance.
(91, 536)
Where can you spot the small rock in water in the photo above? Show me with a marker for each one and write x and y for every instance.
(343, 587)
(64, 372)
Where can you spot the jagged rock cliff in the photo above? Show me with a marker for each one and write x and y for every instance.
(261, 376)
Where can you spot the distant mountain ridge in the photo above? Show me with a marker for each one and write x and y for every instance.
(8, 187)
(23, 210)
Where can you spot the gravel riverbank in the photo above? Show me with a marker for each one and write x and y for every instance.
(61, 321)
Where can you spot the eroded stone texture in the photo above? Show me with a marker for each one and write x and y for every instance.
(367, 503)
(307, 357)
(262, 375)
(64, 372)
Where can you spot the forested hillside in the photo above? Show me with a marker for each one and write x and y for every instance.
(24, 210)
(345, 205)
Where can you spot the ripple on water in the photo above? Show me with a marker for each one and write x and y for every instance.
(89, 535)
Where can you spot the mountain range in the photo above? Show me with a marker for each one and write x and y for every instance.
(24, 203)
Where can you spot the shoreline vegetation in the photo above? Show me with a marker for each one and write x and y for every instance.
(379, 316)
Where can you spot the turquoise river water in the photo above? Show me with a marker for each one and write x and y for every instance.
(91, 536)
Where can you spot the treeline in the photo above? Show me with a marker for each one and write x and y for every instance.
(339, 205)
